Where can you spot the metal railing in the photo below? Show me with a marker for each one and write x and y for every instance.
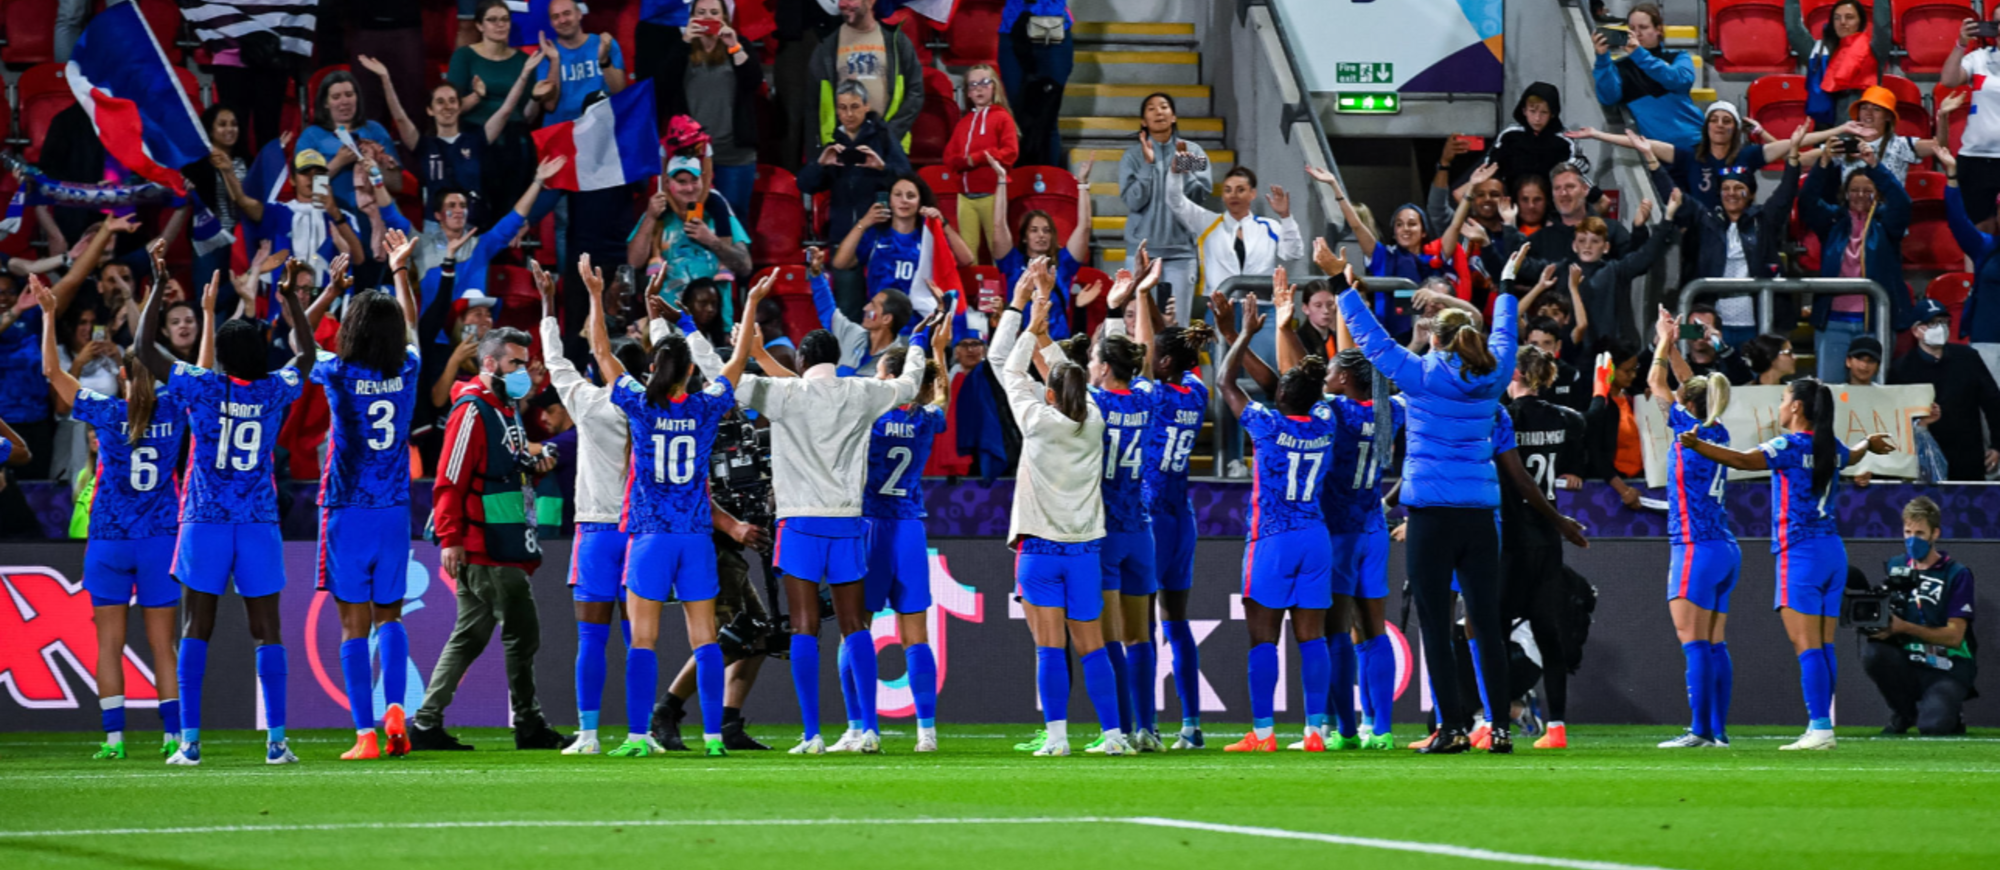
(1767, 289)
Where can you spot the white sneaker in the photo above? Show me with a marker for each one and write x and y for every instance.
(850, 741)
(1364, 730)
(188, 755)
(1719, 743)
(1148, 741)
(1813, 739)
(583, 746)
(926, 740)
(1185, 740)
(1688, 740)
(1115, 744)
(814, 746)
(279, 753)
(654, 746)
(1053, 747)
(870, 743)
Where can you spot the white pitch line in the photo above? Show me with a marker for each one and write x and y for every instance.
(1393, 845)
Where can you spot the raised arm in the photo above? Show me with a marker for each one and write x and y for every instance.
(1396, 361)
(749, 337)
(1079, 238)
(1362, 235)
(595, 333)
(205, 355)
(1232, 362)
(304, 345)
(1226, 331)
(1001, 241)
(1666, 344)
(497, 122)
(1741, 460)
(87, 262)
(60, 380)
(405, 128)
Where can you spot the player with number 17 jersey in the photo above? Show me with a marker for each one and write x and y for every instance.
(229, 508)
(364, 492)
(1287, 563)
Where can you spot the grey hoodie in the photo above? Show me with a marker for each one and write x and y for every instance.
(1147, 218)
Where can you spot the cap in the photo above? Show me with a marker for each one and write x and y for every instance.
(1724, 106)
(1878, 96)
(308, 159)
(1931, 309)
(1865, 345)
(690, 165)
(473, 298)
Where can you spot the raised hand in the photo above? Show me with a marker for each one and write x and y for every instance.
(1146, 146)
(548, 168)
(1282, 295)
(1881, 444)
(1253, 314)
(401, 248)
(1281, 202)
(1329, 261)
(815, 262)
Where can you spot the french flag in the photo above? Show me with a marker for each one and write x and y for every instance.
(615, 142)
(936, 264)
(123, 80)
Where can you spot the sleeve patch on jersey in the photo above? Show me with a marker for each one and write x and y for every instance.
(289, 375)
(631, 384)
(715, 388)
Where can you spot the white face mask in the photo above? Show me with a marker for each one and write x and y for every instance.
(1934, 335)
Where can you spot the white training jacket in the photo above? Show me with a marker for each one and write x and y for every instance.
(1266, 241)
(820, 425)
(1058, 490)
(603, 435)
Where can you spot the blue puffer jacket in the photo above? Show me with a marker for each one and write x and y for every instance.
(1450, 458)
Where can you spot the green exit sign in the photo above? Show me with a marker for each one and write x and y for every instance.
(1364, 73)
(1368, 103)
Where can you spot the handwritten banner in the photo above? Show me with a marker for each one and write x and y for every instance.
(1752, 418)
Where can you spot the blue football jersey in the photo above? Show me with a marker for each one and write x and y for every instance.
(1797, 514)
(1176, 421)
(235, 424)
(367, 455)
(136, 494)
(1128, 421)
(898, 448)
(1503, 433)
(666, 483)
(891, 258)
(1352, 496)
(1291, 459)
(1694, 484)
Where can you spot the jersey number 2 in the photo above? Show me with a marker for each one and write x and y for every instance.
(901, 456)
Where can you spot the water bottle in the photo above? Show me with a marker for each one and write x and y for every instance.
(1040, 186)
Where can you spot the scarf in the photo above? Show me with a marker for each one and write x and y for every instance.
(1852, 65)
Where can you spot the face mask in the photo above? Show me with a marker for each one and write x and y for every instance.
(1934, 335)
(1917, 549)
(518, 383)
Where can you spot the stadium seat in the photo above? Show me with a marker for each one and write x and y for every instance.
(163, 17)
(1098, 310)
(974, 34)
(1779, 103)
(440, 32)
(934, 125)
(44, 92)
(972, 277)
(1048, 188)
(544, 237)
(793, 291)
(780, 217)
(1749, 36)
(1927, 30)
(1955, 125)
(1912, 119)
(520, 302)
(923, 34)
(1929, 244)
(1816, 13)
(944, 185)
(192, 86)
(822, 216)
(617, 17)
(31, 32)
(1950, 290)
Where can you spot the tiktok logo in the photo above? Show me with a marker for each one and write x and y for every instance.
(949, 598)
(47, 631)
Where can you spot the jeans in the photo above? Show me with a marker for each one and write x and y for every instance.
(737, 184)
(1177, 273)
(70, 15)
(1052, 62)
(489, 596)
(1830, 347)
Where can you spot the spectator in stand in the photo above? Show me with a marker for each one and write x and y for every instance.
(854, 166)
(1233, 241)
(1734, 236)
(450, 237)
(1536, 143)
(1144, 172)
(577, 64)
(482, 71)
(71, 15)
(180, 331)
(1607, 281)
(1979, 323)
(1488, 197)
(886, 245)
(1037, 53)
(339, 132)
(662, 40)
(1845, 60)
(1714, 352)
(87, 350)
(1037, 234)
(716, 83)
(1322, 316)
(1965, 393)
(1412, 251)
(471, 319)
(1567, 387)
(1615, 449)
(866, 341)
(881, 58)
(983, 147)
(1976, 61)
(1725, 147)
(1864, 359)
(1770, 359)
(1860, 223)
(1569, 195)
(1529, 207)
(1649, 79)
(451, 156)
(24, 392)
(255, 64)
(311, 226)
(1873, 123)
(219, 183)
(695, 234)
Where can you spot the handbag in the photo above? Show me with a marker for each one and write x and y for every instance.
(1047, 29)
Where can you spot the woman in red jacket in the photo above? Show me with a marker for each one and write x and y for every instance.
(986, 128)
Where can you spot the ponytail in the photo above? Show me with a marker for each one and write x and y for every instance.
(1071, 386)
(1458, 334)
(140, 398)
(1301, 388)
(671, 361)
(1819, 410)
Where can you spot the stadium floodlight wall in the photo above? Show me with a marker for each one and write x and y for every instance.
(1631, 673)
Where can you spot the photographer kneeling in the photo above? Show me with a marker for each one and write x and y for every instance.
(1923, 662)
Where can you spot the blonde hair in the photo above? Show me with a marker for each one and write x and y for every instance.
(1922, 508)
(999, 86)
(1458, 333)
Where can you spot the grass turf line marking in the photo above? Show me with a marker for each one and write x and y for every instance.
(1391, 845)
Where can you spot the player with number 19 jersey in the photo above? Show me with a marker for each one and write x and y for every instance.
(1176, 422)
(1127, 555)
(898, 548)
(364, 491)
(671, 553)
(1287, 563)
(1704, 560)
(229, 508)
(132, 515)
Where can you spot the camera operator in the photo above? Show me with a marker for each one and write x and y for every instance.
(1923, 662)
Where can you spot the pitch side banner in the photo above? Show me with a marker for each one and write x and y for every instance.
(1752, 418)
(1632, 669)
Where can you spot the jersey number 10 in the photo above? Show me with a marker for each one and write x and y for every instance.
(673, 459)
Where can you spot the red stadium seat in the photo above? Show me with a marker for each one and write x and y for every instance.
(794, 291)
(1048, 188)
(923, 34)
(163, 17)
(1816, 13)
(440, 32)
(974, 34)
(943, 184)
(1950, 290)
(932, 131)
(1098, 310)
(781, 218)
(1749, 36)
(44, 93)
(1779, 103)
(544, 236)
(1912, 119)
(31, 32)
(971, 277)
(191, 85)
(1929, 244)
(619, 18)
(1928, 29)
(520, 302)
(1955, 124)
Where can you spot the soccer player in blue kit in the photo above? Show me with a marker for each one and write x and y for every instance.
(229, 506)
(132, 518)
(1704, 559)
(671, 553)
(364, 496)
(1287, 561)
(1183, 400)
(1805, 463)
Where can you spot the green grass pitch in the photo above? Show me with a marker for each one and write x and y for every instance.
(1611, 802)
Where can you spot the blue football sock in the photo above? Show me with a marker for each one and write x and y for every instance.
(850, 694)
(360, 688)
(1121, 678)
(1052, 683)
(625, 628)
(1361, 660)
(1485, 697)
(642, 681)
(922, 667)
(591, 640)
(1316, 676)
(1263, 683)
(1187, 670)
(1143, 663)
(393, 646)
(1813, 680)
(170, 716)
(862, 660)
(111, 713)
(1696, 653)
(1100, 680)
(805, 681)
(1379, 658)
(708, 679)
(193, 668)
(1346, 672)
(271, 676)
(1722, 681)
(1832, 674)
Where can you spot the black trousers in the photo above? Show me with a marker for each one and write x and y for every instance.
(258, 96)
(1535, 592)
(1926, 697)
(1466, 541)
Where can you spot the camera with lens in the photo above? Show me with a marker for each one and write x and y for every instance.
(1869, 610)
(746, 636)
(739, 466)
